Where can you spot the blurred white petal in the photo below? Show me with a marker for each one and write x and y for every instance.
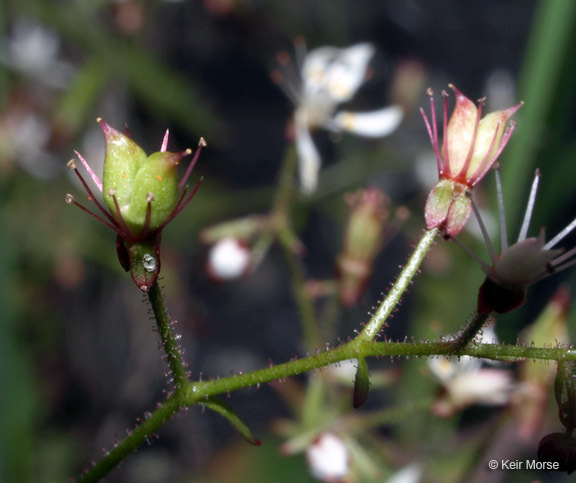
(228, 259)
(335, 73)
(308, 159)
(328, 458)
(369, 124)
(34, 50)
(411, 473)
(487, 386)
(445, 369)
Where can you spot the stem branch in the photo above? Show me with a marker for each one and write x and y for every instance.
(393, 298)
(194, 393)
(168, 337)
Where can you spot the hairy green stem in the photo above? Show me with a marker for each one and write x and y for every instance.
(135, 439)
(168, 337)
(195, 393)
(391, 301)
(469, 332)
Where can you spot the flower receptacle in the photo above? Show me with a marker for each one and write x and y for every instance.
(142, 259)
(448, 207)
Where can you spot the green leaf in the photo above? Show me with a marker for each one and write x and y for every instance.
(227, 412)
(361, 384)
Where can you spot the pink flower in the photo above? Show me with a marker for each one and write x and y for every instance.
(471, 146)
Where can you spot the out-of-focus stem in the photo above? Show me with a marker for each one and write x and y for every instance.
(290, 245)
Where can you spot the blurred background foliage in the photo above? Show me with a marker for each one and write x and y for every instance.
(78, 354)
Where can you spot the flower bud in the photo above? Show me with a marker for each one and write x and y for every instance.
(565, 393)
(228, 259)
(471, 146)
(560, 450)
(361, 384)
(328, 457)
(362, 241)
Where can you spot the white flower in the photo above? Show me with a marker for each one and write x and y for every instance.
(34, 50)
(328, 458)
(465, 382)
(411, 473)
(228, 259)
(328, 77)
(344, 371)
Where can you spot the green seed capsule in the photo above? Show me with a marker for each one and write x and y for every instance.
(122, 161)
(157, 181)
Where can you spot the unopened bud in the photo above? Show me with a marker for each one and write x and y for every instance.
(362, 241)
(559, 450)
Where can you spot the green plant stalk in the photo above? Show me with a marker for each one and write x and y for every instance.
(303, 300)
(195, 392)
(469, 332)
(285, 187)
(288, 241)
(134, 440)
(168, 337)
(391, 301)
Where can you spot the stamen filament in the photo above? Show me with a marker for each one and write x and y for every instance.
(201, 144)
(487, 240)
(567, 255)
(149, 199)
(300, 52)
(164, 145)
(562, 258)
(501, 212)
(70, 200)
(433, 132)
(92, 174)
(90, 194)
(445, 155)
(558, 238)
(464, 247)
(182, 204)
(529, 208)
(126, 231)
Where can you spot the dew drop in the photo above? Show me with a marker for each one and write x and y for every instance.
(149, 262)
